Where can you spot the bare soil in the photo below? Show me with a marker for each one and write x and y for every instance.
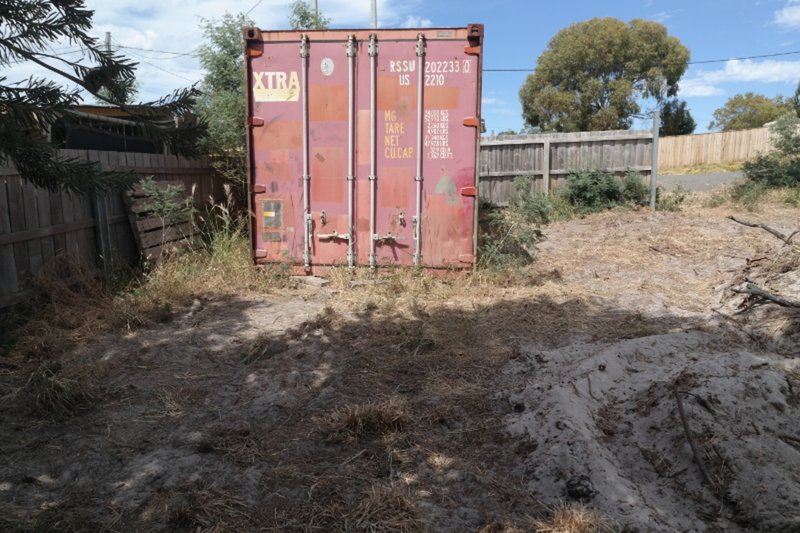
(420, 404)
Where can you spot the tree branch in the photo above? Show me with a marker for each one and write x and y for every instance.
(754, 290)
(772, 231)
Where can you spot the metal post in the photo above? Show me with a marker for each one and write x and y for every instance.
(374, 14)
(373, 144)
(654, 160)
(351, 146)
(546, 167)
(304, 52)
(420, 119)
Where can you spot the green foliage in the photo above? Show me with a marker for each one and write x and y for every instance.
(634, 189)
(593, 190)
(507, 241)
(593, 73)
(781, 167)
(222, 104)
(671, 201)
(676, 119)
(169, 203)
(303, 17)
(533, 208)
(749, 110)
(28, 31)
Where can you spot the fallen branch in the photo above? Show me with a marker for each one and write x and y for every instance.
(688, 432)
(754, 290)
(772, 231)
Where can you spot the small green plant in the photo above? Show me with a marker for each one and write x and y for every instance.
(535, 208)
(593, 190)
(634, 189)
(671, 201)
(169, 202)
(749, 193)
(781, 167)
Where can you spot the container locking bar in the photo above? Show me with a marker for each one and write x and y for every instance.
(373, 150)
(420, 118)
(351, 144)
(304, 53)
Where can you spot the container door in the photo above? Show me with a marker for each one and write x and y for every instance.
(363, 147)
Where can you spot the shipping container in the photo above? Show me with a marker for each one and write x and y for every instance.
(362, 146)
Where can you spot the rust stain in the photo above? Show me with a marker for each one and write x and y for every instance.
(328, 102)
(279, 134)
(441, 97)
(394, 186)
(328, 169)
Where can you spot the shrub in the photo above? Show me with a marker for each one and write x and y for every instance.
(535, 208)
(634, 189)
(780, 168)
(593, 190)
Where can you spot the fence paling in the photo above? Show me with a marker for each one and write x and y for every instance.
(712, 148)
(549, 158)
(40, 228)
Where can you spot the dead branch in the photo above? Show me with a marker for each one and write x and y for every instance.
(688, 432)
(754, 290)
(772, 231)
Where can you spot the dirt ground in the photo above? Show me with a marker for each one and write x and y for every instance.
(421, 404)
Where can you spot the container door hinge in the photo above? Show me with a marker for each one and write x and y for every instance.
(255, 122)
(473, 122)
(258, 189)
(472, 50)
(260, 254)
(469, 191)
(254, 52)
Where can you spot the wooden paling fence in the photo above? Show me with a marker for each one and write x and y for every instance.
(43, 229)
(712, 148)
(549, 158)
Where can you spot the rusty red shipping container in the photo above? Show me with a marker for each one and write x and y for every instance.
(363, 146)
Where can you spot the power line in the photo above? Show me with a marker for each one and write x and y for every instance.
(704, 62)
(175, 54)
(254, 6)
(157, 67)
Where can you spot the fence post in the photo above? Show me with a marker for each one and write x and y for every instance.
(546, 167)
(654, 160)
(102, 227)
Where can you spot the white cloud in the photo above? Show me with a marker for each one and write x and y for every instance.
(768, 71)
(740, 71)
(695, 87)
(173, 26)
(413, 21)
(789, 16)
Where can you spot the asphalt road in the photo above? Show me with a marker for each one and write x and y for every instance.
(699, 182)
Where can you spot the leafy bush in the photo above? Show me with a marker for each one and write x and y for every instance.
(593, 190)
(535, 208)
(634, 189)
(780, 168)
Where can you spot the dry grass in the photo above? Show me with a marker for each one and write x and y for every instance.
(368, 420)
(384, 509)
(55, 392)
(574, 518)
(707, 168)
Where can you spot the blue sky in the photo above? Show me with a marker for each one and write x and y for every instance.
(161, 35)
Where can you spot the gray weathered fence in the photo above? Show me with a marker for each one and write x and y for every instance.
(45, 229)
(550, 157)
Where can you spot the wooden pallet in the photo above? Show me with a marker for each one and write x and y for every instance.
(155, 236)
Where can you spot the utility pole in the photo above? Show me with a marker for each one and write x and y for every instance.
(316, 11)
(374, 14)
(654, 159)
(108, 41)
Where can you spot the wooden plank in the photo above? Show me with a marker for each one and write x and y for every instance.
(160, 236)
(43, 210)
(8, 267)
